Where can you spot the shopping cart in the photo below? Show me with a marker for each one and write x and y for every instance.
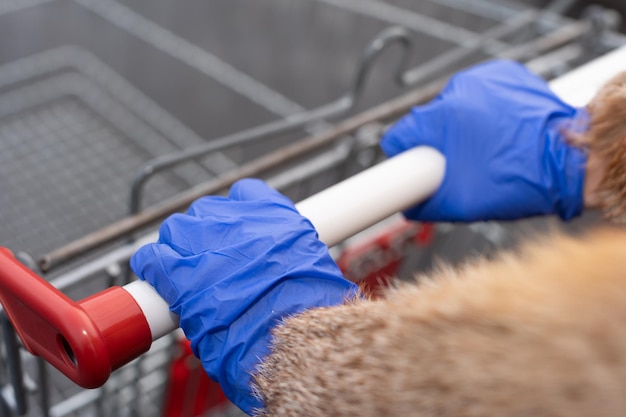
(116, 162)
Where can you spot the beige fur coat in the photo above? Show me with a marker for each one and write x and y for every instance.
(538, 333)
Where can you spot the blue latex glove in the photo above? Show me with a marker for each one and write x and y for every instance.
(232, 268)
(499, 127)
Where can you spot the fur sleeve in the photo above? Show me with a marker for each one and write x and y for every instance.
(606, 144)
(541, 333)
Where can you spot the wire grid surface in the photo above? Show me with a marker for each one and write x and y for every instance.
(73, 140)
(64, 171)
(72, 151)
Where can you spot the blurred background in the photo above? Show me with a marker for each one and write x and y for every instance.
(111, 107)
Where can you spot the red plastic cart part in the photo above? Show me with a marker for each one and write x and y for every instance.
(377, 258)
(190, 392)
(85, 340)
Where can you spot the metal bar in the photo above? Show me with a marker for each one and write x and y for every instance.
(9, 6)
(548, 42)
(76, 59)
(411, 20)
(319, 164)
(192, 55)
(488, 9)
(174, 159)
(445, 60)
(4, 408)
(559, 59)
(613, 40)
(333, 109)
(383, 112)
(78, 275)
(14, 365)
(44, 392)
(74, 404)
(560, 6)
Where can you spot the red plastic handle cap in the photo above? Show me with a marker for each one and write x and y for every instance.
(87, 340)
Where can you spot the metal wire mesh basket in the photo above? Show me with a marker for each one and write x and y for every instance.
(86, 144)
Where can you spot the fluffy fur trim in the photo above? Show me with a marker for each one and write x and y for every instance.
(606, 142)
(538, 333)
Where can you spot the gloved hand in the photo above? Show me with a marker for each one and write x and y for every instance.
(500, 128)
(232, 268)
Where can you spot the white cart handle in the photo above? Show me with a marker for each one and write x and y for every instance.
(89, 339)
(337, 213)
